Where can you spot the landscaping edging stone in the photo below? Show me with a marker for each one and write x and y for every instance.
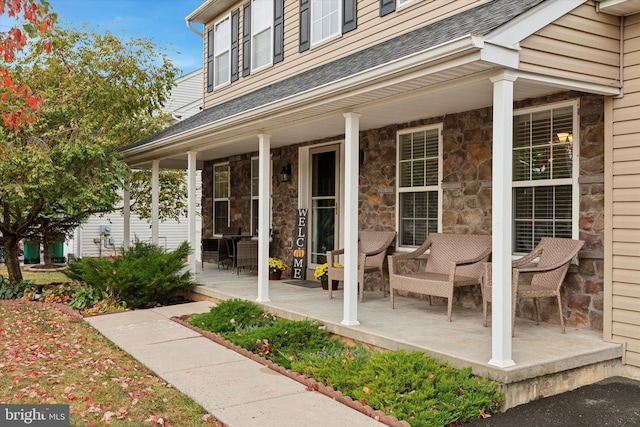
(310, 383)
(65, 308)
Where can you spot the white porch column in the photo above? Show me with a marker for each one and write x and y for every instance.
(126, 214)
(191, 208)
(350, 221)
(264, 192)
(155, 201)
(502, 220)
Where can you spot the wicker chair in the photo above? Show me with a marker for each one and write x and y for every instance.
(546, 275)
(454, 260)
(247, 255)
(372, 251)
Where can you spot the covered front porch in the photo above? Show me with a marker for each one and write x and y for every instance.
(547, 362)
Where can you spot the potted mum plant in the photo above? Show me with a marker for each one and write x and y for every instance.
(322, 274)
(276, 267)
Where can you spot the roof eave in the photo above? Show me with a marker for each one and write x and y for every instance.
(473, 47)
(207, 11)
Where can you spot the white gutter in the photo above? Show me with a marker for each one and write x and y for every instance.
(195, 30)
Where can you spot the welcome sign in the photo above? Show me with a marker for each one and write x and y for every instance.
(299, 268)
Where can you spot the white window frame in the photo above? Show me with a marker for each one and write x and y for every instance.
(553, 182)
(314, 19)
(221, 199)
(400, 4)
(254, 33)
(430, 188)
(220, 49)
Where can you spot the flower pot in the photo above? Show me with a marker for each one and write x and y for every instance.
(325, 284)
(275, 275)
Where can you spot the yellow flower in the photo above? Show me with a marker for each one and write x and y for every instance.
(276, 264)
(322, 271)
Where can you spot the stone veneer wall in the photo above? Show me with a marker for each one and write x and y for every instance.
(467, 145)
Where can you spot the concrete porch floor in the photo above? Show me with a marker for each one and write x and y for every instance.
(547, 361)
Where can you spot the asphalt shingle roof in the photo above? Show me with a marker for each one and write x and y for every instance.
(479, 21)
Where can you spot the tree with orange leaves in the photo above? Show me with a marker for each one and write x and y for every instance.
(33, 21)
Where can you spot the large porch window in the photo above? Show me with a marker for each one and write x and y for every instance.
(544, 174)
(220, 197)
(419, 189)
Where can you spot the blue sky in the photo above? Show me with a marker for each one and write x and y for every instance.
(161, 21)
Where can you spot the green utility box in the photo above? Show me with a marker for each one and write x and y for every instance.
(31, 252)
(56, 250)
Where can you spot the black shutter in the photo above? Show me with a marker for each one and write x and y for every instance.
(246, 39)
(305, 26)
(387, 6)
(349, 15)
(210, 60)
(278, 31)
(235, 53)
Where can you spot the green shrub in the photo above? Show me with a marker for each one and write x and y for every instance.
(95, 272)
(143, 275)
(10, 290)
(231, 315)
(283, 341)
(85, 296)
(411, 386)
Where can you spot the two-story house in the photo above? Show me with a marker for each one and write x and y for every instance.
(516, 118)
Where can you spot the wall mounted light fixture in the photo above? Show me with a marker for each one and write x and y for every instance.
(285, 173)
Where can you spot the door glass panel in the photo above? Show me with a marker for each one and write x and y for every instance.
(323, 205)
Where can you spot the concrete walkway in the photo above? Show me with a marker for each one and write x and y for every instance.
(231, 387)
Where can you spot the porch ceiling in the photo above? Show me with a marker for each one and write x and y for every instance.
(415, 94)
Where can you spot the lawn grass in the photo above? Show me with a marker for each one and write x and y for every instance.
(49, 357)
(38, 277)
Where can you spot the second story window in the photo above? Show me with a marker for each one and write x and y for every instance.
(321, 20)
(325, 19)
(261, 34)
(388, 6)
(222, 52)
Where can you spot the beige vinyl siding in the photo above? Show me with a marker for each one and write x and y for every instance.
(372, 29)
(625, 202)
(582, 45)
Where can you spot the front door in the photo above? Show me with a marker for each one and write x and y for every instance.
(324, 202)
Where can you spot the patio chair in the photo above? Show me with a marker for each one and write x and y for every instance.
(214, 250)
(372, 251)
(247, 254)
(538, 274)
(454, 260)
(218, 250)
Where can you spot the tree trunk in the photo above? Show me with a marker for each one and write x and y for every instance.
(46, 255)
(11, 259)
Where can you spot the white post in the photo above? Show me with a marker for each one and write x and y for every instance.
(264, 191)
(352, 145)
(155, 201)
(502, 220)
(191, 208)
(126, 213)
